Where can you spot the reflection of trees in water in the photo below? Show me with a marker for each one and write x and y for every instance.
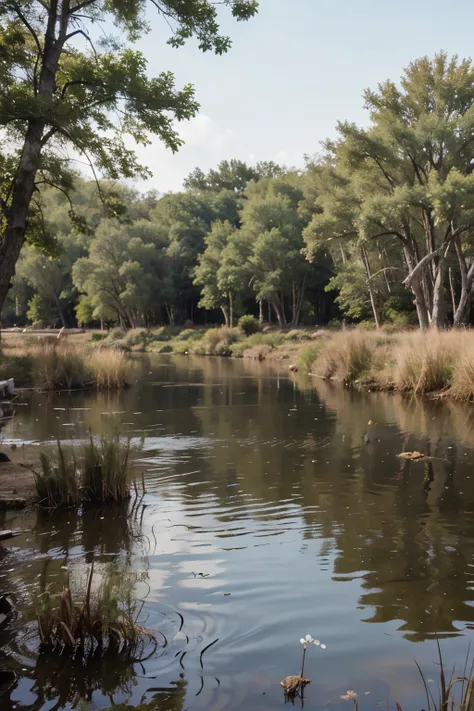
(410, 525)
(62, 680)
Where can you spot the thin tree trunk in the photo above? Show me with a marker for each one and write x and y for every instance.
(16, 213)
(225, 311)
(278, 313)
(416, 288)
(438, 317)
(269, 312)
(169, 313)
(60, 311)
(293, 303)
(260, 312)
(231, 310)
(373, 298)
(451, 288)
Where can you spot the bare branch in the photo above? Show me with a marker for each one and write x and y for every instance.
(28, 27)
(80, 6)
(84, 34)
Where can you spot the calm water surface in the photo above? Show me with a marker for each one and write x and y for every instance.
(273, 510)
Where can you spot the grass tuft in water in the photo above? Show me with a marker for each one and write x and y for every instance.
(99, 471)
(106, 469)
(103, 617)
(56, 481)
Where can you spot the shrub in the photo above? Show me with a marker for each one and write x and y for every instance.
(20, 368)
(217, 341)
(249, 324)
(116, 334)
(96, 337)
(307, 358)
(297, 334)
(189, 334)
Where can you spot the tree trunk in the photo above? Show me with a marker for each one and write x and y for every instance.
(170, 314)
(225, 311)
(293, 303)
(260, 312)
(269, 312)
(16, 213)
(60, 311)
(278, 313)
(416, 288)
(373, 297)
(438, 317)
(231, 310)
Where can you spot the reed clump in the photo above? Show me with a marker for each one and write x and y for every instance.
(99, 471)
(346, 356)
(106, 469)
(56, 481)
(102, 617)
(51, 364)
(109, 368)
(424, 362)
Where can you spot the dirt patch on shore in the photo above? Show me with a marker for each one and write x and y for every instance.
(16, 477)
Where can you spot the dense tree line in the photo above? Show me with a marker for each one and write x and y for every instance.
(230, 243)
(378, 227)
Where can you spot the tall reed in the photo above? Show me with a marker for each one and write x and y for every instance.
(98, 471)
(56, 481)
(104, 616)
(106, 469)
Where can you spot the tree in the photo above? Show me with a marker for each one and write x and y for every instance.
(124, 277)
(60, 92)
(223, 269)
(406, 183)
(232, 175)
(272, 223)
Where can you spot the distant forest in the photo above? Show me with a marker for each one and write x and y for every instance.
(379, 227)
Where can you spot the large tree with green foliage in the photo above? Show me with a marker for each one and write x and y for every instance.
(59, 91)
(407, 181)
(273, 224)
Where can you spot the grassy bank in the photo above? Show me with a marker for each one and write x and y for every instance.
(430, 362)
(408, 361)
(47, 363)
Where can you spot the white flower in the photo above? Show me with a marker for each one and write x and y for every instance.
(303, 641)
(309, 639)
(323, 646)
(316, 642)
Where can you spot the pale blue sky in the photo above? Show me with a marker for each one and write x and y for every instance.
(292, 73)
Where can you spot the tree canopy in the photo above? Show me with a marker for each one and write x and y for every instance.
(62, 91)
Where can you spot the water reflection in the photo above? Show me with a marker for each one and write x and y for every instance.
(273, 509)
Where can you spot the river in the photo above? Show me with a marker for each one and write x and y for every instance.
(273, 509)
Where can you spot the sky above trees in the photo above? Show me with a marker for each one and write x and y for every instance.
(293, 72)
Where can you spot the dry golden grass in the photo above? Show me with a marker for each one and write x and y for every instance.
(419, 362)
(424, 361)
(109, 367)
(347, 356)
(68, 363)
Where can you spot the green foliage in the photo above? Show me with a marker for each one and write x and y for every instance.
(249, 324)
(38, 310)
(307, 358)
